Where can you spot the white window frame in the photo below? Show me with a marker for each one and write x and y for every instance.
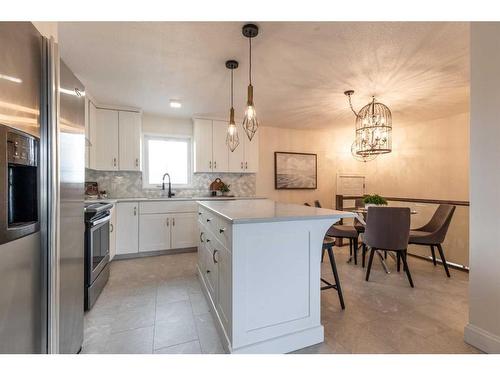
(165, 137)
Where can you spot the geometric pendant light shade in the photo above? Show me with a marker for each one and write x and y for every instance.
(232, 138)
(250, 122)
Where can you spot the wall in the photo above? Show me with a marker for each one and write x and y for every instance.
(308, 141)
(47, 29)
(483, 330)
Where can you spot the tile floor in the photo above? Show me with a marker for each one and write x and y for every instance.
(155, 305)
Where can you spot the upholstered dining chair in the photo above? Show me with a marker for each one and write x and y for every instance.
(388, 228)
(344, 231)
(434, 232)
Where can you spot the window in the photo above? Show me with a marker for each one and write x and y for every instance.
(166, 154)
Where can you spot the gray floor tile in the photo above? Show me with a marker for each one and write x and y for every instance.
(173, 312)
(135, 341)
(208, 335)
(173, 333)
(132, 318)
(199, 303)
(191, 347)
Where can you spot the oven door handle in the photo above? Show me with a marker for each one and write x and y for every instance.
(100, 221)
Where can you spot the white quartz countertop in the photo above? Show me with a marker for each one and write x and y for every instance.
(266, 210)
(174, 199)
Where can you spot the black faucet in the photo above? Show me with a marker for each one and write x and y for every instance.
(170, 194)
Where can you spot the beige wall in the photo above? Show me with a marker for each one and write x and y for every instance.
(309, 141)
(483, 330)
(429, 159)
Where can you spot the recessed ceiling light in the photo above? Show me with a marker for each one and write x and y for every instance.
(175, 103)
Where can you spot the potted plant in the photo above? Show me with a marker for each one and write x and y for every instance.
(374, 200)
(224, 189)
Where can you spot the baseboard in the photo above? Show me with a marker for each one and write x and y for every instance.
(143, 254)
(481, 339)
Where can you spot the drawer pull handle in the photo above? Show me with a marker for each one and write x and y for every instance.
(201, 237)
(213, 256)
(111, 228)
(173, 221)
(222, 230)
(168, 222)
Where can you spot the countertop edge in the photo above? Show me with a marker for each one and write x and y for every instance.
(343, 215)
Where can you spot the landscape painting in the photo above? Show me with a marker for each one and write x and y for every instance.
(294, 170)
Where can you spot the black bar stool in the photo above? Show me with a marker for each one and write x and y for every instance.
(328, 244)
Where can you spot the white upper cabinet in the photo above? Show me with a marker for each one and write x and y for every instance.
(106, 140)
(251, 164)
(115, 139)
(202, 145)
(211, 153)
(237, 157)
(220, 151)
(129, 135)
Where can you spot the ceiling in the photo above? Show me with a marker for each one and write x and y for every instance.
(300, 69)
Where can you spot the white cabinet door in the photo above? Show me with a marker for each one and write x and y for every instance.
(106, 142)
(91, 141)
(112, 234)
(211, 271)
(252, 154)
(154, 232)
(223, 259)
(184, 230)
(127, 228)
(129, 135)
(202, 145)
(237, 157)
(219, 147)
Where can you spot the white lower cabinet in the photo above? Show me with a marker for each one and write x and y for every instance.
(223, 259)
(112, 234)
(162, 227)
(154, 232)
(215, 268)
(127, 228)
(184, 230)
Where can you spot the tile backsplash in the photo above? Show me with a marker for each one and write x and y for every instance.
(129, 184)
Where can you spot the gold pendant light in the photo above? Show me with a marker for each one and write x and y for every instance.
(250, 122)
(232, 138)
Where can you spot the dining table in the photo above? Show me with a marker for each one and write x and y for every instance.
(360, 216)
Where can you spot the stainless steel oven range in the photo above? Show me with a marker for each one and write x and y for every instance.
(97, 218)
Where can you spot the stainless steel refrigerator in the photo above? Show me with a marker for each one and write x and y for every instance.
(42, 146)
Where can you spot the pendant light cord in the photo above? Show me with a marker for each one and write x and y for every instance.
(250, 68)
(231, 88)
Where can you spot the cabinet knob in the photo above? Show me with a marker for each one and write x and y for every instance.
(135, 211)
(222, 230)
(136, 162)
(209, 220)
(210, 164)
(246, 165)
(215, 164)
(173, 221)
(241, 165)
(114, 162)
(168, 221)
(208, 271)
(199, 213)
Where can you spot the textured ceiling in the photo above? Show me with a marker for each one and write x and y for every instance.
(300, 69)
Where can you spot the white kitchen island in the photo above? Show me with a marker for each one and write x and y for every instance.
(259, 265)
